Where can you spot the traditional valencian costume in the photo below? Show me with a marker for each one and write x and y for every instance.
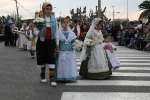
(66, 63)
(110, 50)
(32, 38)
(46, 45)
(96, 65)
(22, 40)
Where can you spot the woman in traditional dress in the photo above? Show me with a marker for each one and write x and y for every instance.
(47, 43)
(66, 64)
(22, 41)
(96, 65)
(110, 50)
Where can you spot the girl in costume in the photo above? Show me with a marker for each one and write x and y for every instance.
(31, 35)
(22, 41)
(95, 66)
(47, 43)
(66, 66)
(110, 50)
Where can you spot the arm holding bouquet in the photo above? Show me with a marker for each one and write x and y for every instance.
(39, 23)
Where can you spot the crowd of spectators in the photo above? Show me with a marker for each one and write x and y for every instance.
(134, 36)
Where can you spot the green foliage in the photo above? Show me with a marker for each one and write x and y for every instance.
(28, 21)
(3, 19)
(145, 6)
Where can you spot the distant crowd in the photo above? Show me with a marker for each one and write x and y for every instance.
(135, 35)
(8, 35)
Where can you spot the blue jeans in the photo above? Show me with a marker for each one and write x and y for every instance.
(132, 41)
(119, 41)
(122, 41)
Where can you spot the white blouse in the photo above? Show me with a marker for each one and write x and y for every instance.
(48, 25)
(47, 21)
(31, 35)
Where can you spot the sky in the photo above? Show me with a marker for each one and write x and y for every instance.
(64, 6)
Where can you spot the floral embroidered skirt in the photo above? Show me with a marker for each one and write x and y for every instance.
(85, 74)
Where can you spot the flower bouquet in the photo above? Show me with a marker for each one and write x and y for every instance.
(39, 23)
(89, 43)
(77, 45)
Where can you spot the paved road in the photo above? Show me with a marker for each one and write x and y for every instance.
(20, 80)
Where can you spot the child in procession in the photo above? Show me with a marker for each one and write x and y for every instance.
(31, 36)
(94, 60)
(66, 63)
(110, 50)
(22, 41)
(47, 43)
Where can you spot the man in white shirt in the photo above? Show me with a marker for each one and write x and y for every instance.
(139, 26)
(77, 29)
(121, 26)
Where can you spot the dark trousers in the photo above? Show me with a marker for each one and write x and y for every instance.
(115, 38)
(127, 42)
(143, 44)
(139, 41)
(15, 39)
(45, 51)
(12, 39)
(7, 40)
(119, 41)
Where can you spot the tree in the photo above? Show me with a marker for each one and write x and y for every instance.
(2, 19)
(145, 6)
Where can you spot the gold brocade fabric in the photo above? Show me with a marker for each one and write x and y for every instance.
(33, 43)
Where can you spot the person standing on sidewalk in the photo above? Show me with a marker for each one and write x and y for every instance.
(7, 33)
(13, 35)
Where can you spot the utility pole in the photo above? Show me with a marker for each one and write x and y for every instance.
(99, 8)
(17, 13)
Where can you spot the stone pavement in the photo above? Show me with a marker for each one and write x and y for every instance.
(20, 79)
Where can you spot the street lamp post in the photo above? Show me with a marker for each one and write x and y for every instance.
(113, 13)
(99, 8)
(60, 16)
(127, 9)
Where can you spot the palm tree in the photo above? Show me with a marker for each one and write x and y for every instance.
(145, 6)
